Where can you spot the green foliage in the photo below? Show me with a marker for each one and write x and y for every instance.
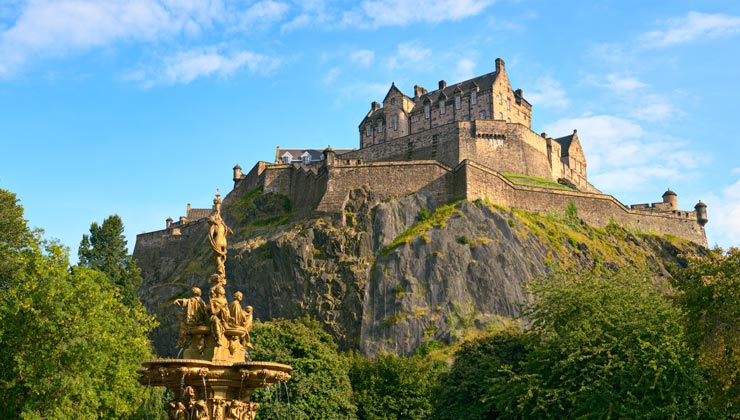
(14, 236)
(710, 295)
(533, 181)
(463, 392)
(70, 347)
(601, 348)
(437, 219)
(423, 215)
(104, 249)
(571, 211)
(394, 387)
(255, 209)
(319, 387)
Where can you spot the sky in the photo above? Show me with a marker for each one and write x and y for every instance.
(138, 107)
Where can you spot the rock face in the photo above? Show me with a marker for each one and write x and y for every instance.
(391, 275)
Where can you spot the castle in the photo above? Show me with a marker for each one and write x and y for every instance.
(470, 140)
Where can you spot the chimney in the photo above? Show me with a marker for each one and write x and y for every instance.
(519, 93)
(375, 106)
(418, 91)
(499, 65)
(442, 84)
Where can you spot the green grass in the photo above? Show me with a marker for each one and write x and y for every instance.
(438, 219)
(533, 181)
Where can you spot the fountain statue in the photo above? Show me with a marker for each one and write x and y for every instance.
(213, 380)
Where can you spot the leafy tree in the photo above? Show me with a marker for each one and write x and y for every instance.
(394, 387)
(70, 347)
(710, 295)
(319, 387)
(463, 392)
(104, 249)
(14, 236)
(606, 348)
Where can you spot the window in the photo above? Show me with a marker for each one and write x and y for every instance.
(368, 129)
(393, 101)
(306, 158)
(286, 159)
(442, 107)
(395, 122)
(500, 115)
(427, 110)
(500, 99)
(483, 114)
(458, 102)
(508, 104)
(474, 97)
(380, 126)
(508, 120)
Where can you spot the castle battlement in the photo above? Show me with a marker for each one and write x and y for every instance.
(466, 140)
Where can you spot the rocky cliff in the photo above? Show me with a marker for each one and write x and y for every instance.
(391, 275)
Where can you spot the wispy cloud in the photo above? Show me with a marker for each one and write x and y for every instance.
(724, 215)
(408, 53)
(186, 66)
(464, 69)
(548, 93)
(331, 75)
(405, 12)
(625, 157)
(363, 57)
(621, 83)
(691, 27)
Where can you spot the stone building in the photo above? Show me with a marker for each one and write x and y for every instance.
(470, 140)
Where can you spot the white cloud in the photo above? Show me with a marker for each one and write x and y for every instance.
(405, 12)
(464, 69)
(186, 66)
(331, 75)
(622, 83)
(408, 53)
(724, 216)
(655, 108)
(363, 57)
(548, 94)
(263, 14)
(622, 156)
(691, 27)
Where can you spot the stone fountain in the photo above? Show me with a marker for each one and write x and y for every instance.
(213, 379)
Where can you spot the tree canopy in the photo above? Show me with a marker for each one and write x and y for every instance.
(70, 347)
(104, 249)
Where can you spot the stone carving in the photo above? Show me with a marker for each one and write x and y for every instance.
(217, 238)
(192, 313)
(213, 337)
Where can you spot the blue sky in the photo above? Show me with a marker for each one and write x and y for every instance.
(138, 107)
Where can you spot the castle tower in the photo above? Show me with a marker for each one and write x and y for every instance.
(237, 172)
(670, 197)
(701, 213)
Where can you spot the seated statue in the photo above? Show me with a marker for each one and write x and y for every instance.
(192, 313)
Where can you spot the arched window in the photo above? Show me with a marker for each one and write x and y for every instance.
(380, 126)
(427, 110)
(508, 104)
(500, 99)
(500, 115)
(508, 120)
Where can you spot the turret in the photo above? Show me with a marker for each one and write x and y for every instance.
(329, 156)
(237, 172)
(669, 197)
(169, 222)
(701, 213)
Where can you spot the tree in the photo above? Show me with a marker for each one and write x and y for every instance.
(70, 347)
(14, 236)
(710, 295)
(104, 249)
(606, 348)
(319, 387)
(463, 392)
(393, 387)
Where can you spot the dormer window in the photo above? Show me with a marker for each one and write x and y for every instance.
(380, 126)
(442, 107)
(474, 97)
(427, 110)
(286, 158)
(306, 158)
(458, 102)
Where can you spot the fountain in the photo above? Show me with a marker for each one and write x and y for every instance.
(214, 379)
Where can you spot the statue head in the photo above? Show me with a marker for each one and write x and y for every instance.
(188, 392)
(195, 291)
(238, 296)
(249, 309)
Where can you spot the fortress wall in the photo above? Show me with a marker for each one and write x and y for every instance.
(421, 147)
(306, 188)
(167, 243)
(387, 180)
(594, 209)
(520, 151)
